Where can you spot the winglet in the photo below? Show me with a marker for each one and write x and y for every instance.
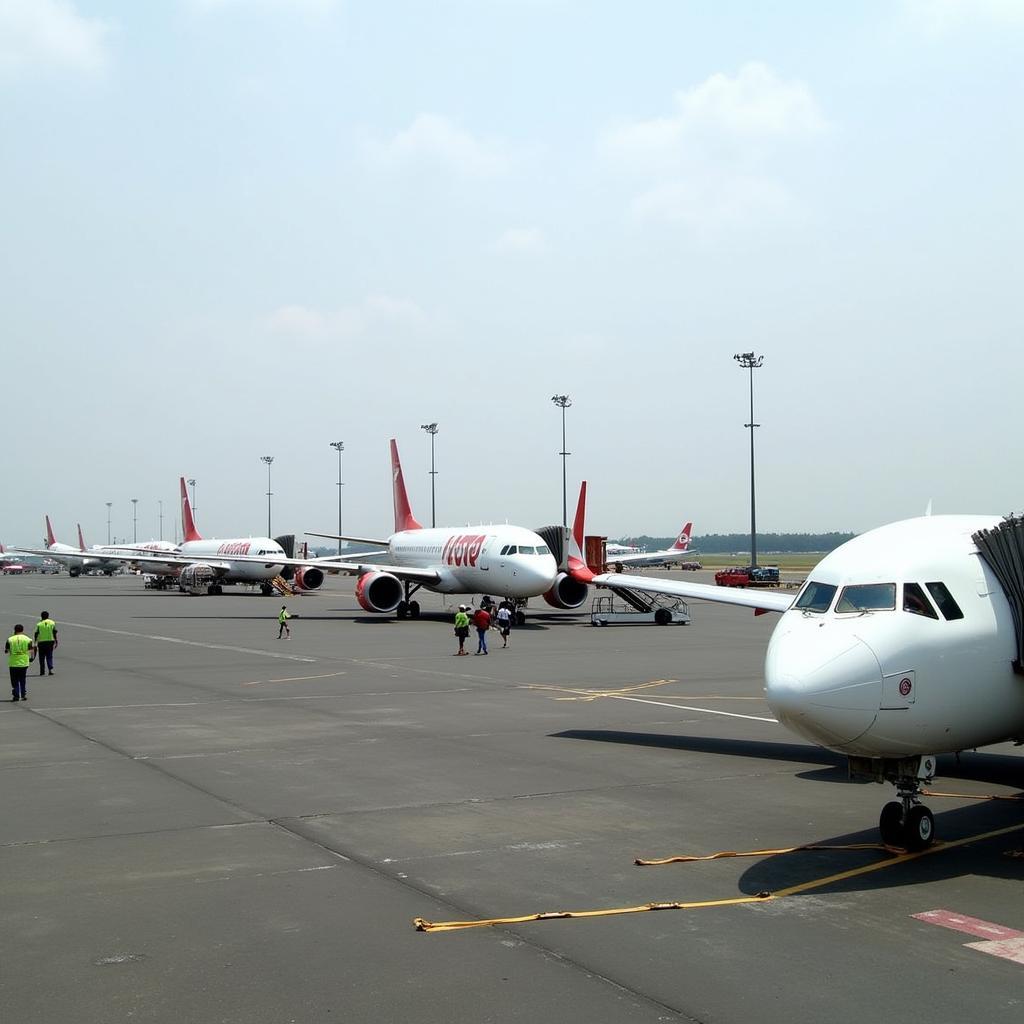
(81, 539)
(683, 540)
(404, 519)
(187, 522)
(576, 561)
(50, 539)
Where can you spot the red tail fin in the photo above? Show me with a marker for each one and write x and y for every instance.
(81, 539)
(683, 540)
(404, 519)
(576, 561)
(50, 539)
(187, 523)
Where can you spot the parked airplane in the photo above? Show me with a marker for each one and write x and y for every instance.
(208, 564)
(503, 561)
(77, 560)
(678, 552)
(900, 646)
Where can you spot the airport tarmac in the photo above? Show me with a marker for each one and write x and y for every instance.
(199, 822)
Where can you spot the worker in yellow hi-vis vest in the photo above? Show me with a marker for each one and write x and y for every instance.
(46, 642)
(20, 651)
(282, 624)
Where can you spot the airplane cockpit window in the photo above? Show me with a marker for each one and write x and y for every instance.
(916, 603)
(503, 551)
(512, 549)
(867, 597)
(816, 597)
(525, 549)
(944, 599)
(543, 549)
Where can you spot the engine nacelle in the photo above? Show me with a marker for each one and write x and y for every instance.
(379, 591)
(566, 592)
(309, 577)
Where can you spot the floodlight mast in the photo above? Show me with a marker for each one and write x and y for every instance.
(563, 402)
(268, 459)
(339, 447)
(750, 361)
(431, 429)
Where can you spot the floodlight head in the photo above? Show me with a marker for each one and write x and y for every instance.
(748, 360)
(430, 428)
(268, 459)
(338, 446)
(563, 401)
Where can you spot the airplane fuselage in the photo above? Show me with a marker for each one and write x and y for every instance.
(220, 551)
(875, 671)
(506, 561)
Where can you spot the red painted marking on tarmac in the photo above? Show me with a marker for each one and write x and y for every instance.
(1008, 949)
(972, 926)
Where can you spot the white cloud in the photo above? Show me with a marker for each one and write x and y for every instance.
(375, 313)
(938, 17)
(753, 108)
(713, 159)
(433, 139)
(50, 32)
(520, 241)
(296, 6)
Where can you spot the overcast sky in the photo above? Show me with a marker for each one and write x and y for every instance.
(234, 228)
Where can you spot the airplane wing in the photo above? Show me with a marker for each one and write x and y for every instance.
(339, 565)
(137, 558)
(770, 601)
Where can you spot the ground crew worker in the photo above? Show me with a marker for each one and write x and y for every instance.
(20, 651)
(462, 629)
(46, 641)
(282, 627)
(482, 621)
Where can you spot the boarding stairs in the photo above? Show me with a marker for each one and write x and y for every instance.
(282, 586)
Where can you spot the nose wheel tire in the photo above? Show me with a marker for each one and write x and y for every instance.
(890, 823)
(919, 828)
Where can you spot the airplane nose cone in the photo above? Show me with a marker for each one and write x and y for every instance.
(825, 686)
(537, 576)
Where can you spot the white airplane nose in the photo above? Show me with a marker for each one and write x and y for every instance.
(823, 685)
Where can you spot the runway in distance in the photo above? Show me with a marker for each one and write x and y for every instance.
(900, 646)
(500, 560)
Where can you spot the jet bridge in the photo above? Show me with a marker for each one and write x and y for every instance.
(1002, 547)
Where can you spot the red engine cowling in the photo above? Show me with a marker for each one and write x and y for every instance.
(379, 591)
(566, 592)
(309, 577)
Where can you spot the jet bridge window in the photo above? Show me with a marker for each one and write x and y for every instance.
(944, 599)
(867, 597)
(816, 597)
(916, 603)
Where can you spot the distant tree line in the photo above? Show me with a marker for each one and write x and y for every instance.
(727, 543)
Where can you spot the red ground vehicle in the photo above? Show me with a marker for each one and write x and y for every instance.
(736, 576)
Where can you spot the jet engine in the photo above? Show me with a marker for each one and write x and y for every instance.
(379, 591)
(309, 577)
(566, 592)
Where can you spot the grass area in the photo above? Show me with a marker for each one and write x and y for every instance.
(802, 561)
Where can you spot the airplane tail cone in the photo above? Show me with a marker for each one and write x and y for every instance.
(404, 519)
(187, 522)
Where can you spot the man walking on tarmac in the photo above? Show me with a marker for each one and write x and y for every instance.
(46, 641)
(20, 651)
(482, 621)
(282, 621)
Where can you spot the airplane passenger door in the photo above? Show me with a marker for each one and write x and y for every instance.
(485, 559)
(899, 691)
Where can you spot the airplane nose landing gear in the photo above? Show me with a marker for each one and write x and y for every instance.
(904, 822)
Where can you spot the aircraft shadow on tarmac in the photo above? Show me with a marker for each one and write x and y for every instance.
(779, 872)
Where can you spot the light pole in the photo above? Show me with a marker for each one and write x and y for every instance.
(563, 401)
(192, 484)
(431, 429)
(109, 503)
(339, 447)
(748, 361)
(135, 520)
(268, 459)
(161, 504)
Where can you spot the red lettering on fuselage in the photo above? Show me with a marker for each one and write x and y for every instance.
(238, 548)
(464, 549)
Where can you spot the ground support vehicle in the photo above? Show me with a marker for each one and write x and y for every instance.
(628, 607)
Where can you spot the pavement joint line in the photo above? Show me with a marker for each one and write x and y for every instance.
(192, 643)
(705, 711)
